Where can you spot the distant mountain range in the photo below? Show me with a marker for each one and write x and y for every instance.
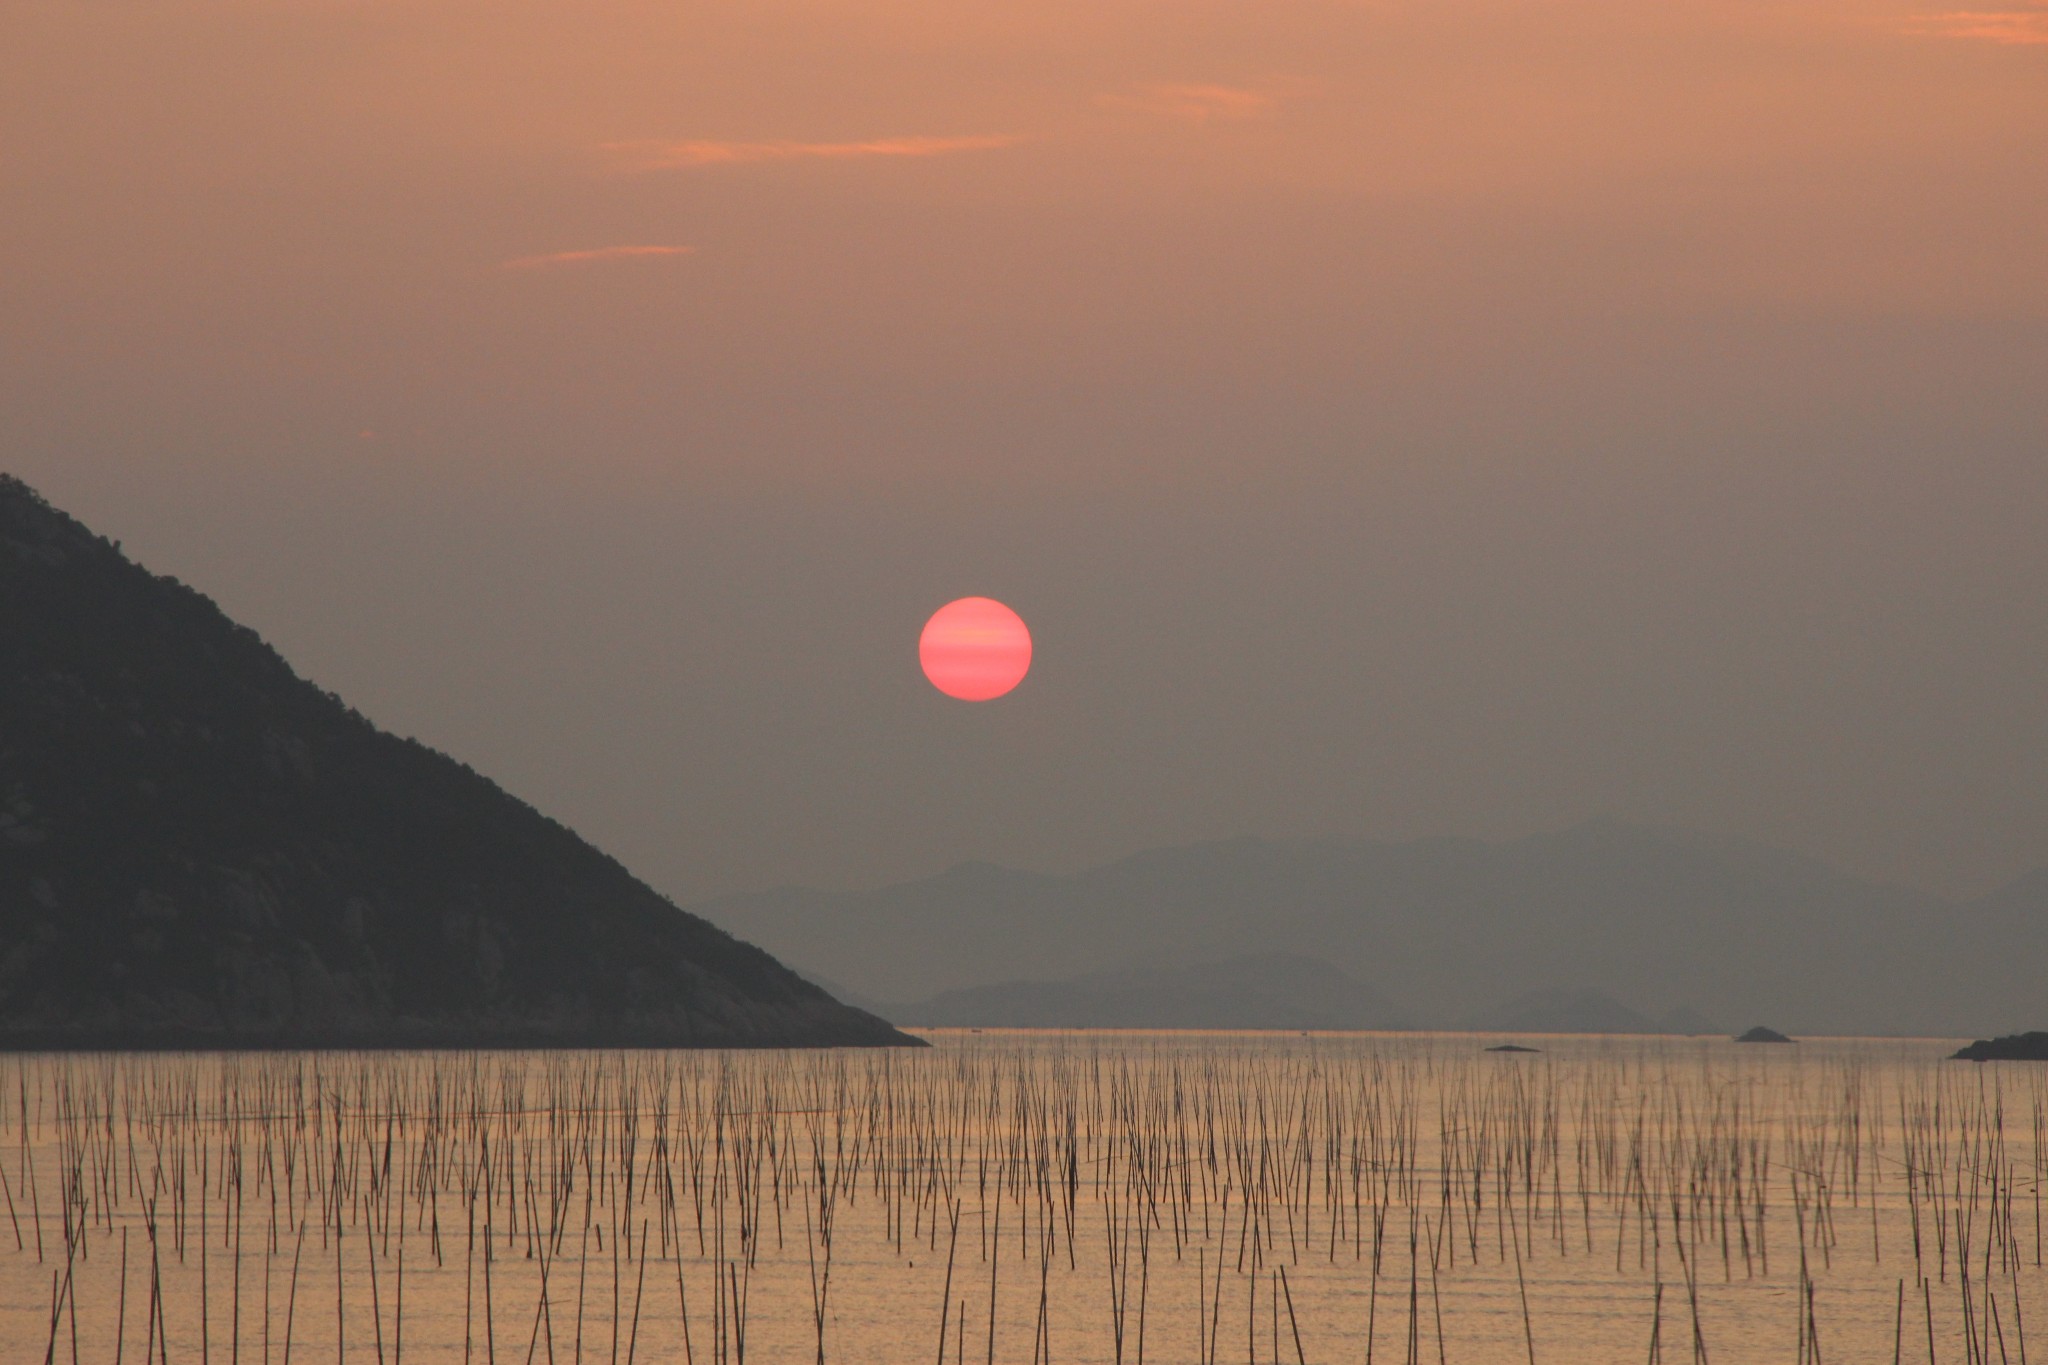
(198, 848)
(1271, 991)
(1266, 991)
(1603, 927)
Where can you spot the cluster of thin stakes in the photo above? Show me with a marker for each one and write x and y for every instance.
(1025, 1198)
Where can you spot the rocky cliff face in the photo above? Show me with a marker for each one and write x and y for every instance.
(199, 848)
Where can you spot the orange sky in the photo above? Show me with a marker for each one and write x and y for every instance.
(299, 193)
(1569, 348)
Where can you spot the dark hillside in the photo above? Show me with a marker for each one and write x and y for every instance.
(197, 847)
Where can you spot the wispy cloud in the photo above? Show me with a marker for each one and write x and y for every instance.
(1194, 103)
(2015, 27)
(593, 256)
(672, 156)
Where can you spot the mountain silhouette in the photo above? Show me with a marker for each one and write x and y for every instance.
(200, 848)
(1669, 928)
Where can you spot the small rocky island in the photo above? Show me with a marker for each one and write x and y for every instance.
(2013, 1047)
(1760, 1034)
(198, 848)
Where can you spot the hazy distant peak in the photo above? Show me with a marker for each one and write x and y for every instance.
(1238, 851)
(1580, 1010)
(1608, 834)
(980, 871)
(1601, 833)
(1609, 830)
(1259, 991)
(1683, 926)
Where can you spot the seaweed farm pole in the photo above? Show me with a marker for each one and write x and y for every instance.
(1292, 1325)
(56, 1316)
(469, 1283)
(376, 1305)
(149, 1316)
(156, 1289)
(1812, 1325)
(121, 1313)
(995, 1254)
(291, 1301)
(490, 1319)
(1372, 1313)
(1414, 1295)
(1144, 1278)
(235, 1293)
(339, 1320)
(739, 1318)
(1521, 1284)
(820, 1287)
(28, 1169)
(633, 1340)
(71, 1252)
(1436, 1303)
(682, 1303)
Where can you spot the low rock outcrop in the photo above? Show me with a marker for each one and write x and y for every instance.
(2013, 1047)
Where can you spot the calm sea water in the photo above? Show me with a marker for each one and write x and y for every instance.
(1030, 1196)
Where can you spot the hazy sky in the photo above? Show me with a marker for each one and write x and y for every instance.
(1462, 417)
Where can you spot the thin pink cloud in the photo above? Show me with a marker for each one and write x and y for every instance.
(1194, 103)
(603, 253)
(671, 156)
(2011, 27)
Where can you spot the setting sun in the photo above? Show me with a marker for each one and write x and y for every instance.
(975, 649)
